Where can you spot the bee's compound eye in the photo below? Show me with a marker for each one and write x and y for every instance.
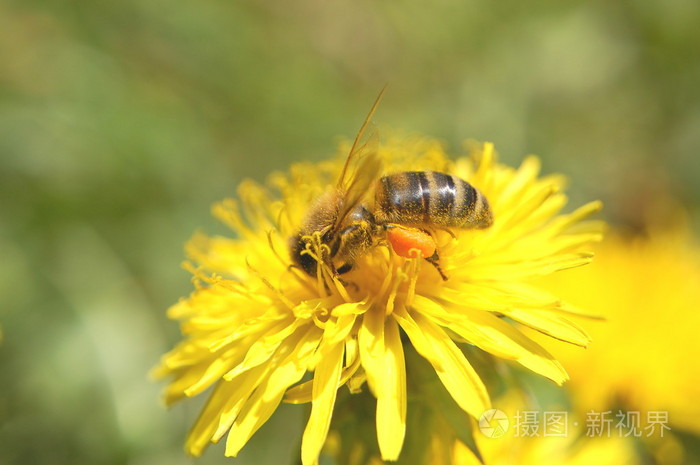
(405, 242)
(305, 261)
(308, 264)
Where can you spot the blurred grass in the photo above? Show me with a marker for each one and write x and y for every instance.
(121, 122)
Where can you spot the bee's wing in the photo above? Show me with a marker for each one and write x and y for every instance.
(361, 168)
(358, 149)
(368, 169)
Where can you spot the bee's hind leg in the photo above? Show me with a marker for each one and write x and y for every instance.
(435, 261)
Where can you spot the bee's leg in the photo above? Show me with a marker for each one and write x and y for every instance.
(448, 231)
(435, 261)
(343, 269)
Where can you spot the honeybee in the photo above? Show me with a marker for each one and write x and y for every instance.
(406, 207)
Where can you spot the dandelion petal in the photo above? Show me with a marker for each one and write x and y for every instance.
(450, 364)
(382, 357)
(325, 388)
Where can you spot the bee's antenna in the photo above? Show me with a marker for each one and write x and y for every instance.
(360, 133)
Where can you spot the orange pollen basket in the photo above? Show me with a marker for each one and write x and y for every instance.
(403, 240)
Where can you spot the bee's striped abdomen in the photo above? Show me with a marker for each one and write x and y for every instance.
(431, 198)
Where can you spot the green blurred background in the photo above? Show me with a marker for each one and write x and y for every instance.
(121, 122)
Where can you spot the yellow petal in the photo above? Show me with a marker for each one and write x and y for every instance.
(243, 388)
(391, 394)
(213, 373)
(523, 304)
(541, 266)
(338, 329)
(263, 402)
(563, 222)
(222, 408)
(509, 219)
(528, 171)
(493, 335)
(303, 393)
(325, 388)
(371, 343)
(552, 325)
(382, 358)
(450, 364)
(203, 430)
(335, 331)
(349, 308)
(265, 346)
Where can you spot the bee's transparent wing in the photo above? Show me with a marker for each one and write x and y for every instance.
(363, 177)
(362, 166)
(358, 146)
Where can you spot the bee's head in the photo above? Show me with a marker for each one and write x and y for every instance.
(305, 254)
(317, 227)
(302, 259)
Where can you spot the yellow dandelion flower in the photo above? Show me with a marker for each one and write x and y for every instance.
(261, 331)
(568, 444)
(644, 356)
(573, 449)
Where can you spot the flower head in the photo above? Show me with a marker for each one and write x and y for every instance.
(255, 327)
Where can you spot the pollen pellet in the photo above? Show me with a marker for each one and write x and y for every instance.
(403, 240)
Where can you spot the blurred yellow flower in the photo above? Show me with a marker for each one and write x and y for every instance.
(644, 357)
(515, 445)
(570, 450)
(254, 326)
